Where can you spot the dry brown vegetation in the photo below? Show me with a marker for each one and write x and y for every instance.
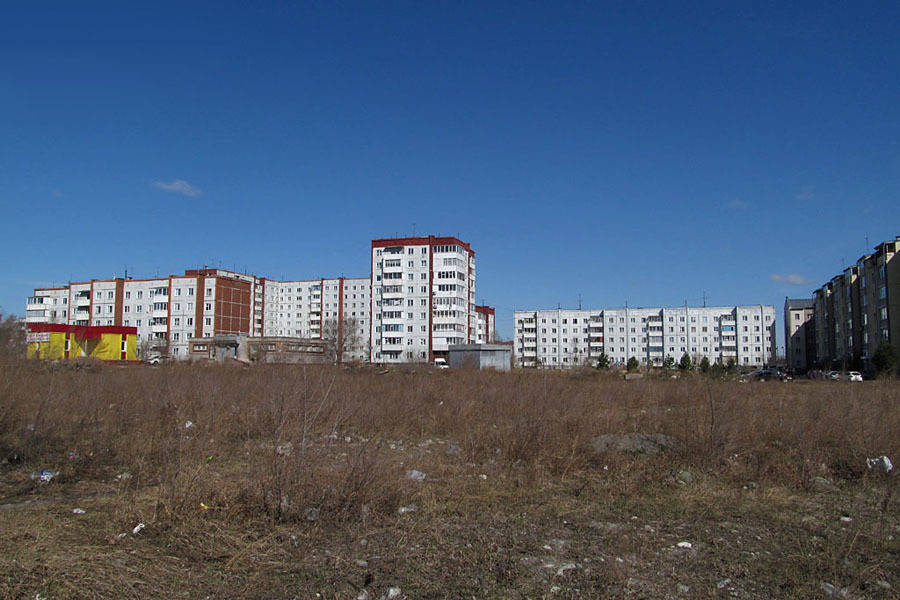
(290, 483)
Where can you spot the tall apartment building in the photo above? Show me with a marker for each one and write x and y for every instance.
(566, 338)
(168, 311)
(858, 310)
(799, 333)
(485, 331)
(422, 298)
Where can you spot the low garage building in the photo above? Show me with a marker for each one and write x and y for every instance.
(481, 356)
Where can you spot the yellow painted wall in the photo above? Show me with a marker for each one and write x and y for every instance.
(52, 350)
(108, 347)
(131, 347)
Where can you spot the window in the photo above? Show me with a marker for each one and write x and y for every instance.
(110, 295)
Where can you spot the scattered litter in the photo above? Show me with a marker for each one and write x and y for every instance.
(123, 476)
(684, 477)
(482, 476)
(73, 456)
(684, 589)
(137, 529)
(122, 536)
(362, 564)
(685, 545)
(188, 424)
(363, 595)
(560, 572)
(284, 449)
(415, 475)
(547, 547)
(882, 464)
(393, 592)
(407, 509)
(724, 583)
(312, 514)
(555, 589)
(44, 475)
(832, 590)
(846, 519)
(453, 450)
(821, 484)
(883, 584)
(209, 459)
(295, 541)
(78, 511)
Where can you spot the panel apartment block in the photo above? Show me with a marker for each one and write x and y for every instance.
(858, 310)
(485, 332)
(169, 311)
(799, 333)
(567, 338)
(422, 298)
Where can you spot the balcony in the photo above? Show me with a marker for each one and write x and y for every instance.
(82, 301)
(159, 328)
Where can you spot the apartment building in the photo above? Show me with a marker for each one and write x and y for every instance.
(564, 338)
(799, 333)
(335, 309)
(485, 328)
(853, 311)
(168, 311)
(422, 298)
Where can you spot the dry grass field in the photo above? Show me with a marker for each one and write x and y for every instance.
(292, 482)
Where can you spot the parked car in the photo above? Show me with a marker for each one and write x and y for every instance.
(441, 363)
(833, 375)
(853, 376)
(767, 375)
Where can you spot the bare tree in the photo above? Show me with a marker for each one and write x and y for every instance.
(345, 342)
(12, 336)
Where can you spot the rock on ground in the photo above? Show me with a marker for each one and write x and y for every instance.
(636, 443)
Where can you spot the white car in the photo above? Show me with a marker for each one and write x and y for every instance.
(853, 376)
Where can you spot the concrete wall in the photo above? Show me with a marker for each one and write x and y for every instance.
(481, 356)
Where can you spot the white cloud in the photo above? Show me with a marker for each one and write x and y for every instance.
(790, 279)
(178, 186)
(808, 192)
(738, 204)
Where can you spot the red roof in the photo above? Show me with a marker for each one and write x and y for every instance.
(82, 332)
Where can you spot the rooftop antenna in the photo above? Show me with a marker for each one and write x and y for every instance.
(867, 245)
(704, 298)
(579, 301)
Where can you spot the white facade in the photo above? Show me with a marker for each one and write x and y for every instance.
(169, 311)
(567, 338)
(485, 328)
(422, 298)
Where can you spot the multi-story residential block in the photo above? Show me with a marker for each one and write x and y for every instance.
(167, 312)
(422, 298)
(485, 332)
(853, 311)
(566, 338)
(799, 333)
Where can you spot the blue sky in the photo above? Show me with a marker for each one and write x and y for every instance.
(629, 151)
